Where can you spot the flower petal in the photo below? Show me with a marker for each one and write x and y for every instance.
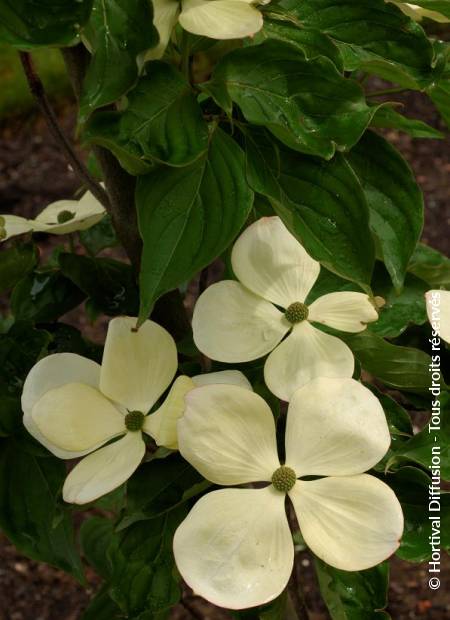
(165, 16)
(162, 424)
(49, 373)
(228, 434)
(227, 377)
(16, 225)
(335, 427)
(77, 417)
(351, 523)
(231, 324)
(86, 212)
(220, 19)
(438, 310)
(235, 548)
(306, 353)
(347, 311)
(104, 470)
(269, 261)
(137, 366)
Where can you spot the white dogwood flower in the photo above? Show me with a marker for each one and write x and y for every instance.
(217, 19)
(235, 547)
(239, 321)
(438, 310)
(73, 406)
(419, 12)
(58, 218)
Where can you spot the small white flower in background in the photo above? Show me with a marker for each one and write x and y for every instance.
(73, 406)
(235, 547)
(238, 321)
(217, 19)
(419, 12)
(58, 218)
(438, 310)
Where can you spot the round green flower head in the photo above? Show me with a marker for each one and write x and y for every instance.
(65, 216)
(284, 478)
(134, 420)
(296, 312)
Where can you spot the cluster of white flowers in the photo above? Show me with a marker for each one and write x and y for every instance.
(235, 547)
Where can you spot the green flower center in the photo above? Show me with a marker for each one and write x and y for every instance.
(284, 478)
(134, 420)
(297, 312)
(65, 216)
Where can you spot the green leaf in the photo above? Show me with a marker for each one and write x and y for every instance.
(10, 415)
(143, 578)
(102, 607)
(26, 24)
(394, 198)
(44, 297)
(162, 122)
(411, 486)
(30, 515)
(401, 309)
(276, 610)
(389, 118)
(311, 42)
(434, 439)
(440, 95)
(119, 30)
(276, 86)
(189, 216)
(354, 595)
(108, 283)
(431, 266)
(16, 263)
(159, 486)
(320, 202)
(373, 36)
(99, 237)
(397, 367)
(96, 535)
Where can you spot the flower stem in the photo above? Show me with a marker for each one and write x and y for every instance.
(386, 91)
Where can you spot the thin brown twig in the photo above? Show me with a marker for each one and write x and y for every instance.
(38, 91)
(191, 609)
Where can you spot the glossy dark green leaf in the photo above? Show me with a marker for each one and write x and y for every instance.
(358, 595)
(44, 297)
(30, 514)
(16, 263)
(401, 309)
(10, 414)
(374, 36)
(440, 95)
(398, 367)
(276, 86)
(161, 122)
(320, 202)
(159, 486)
(27, 24)
(311, 42)
(276, 610)
(99, 237)
(188, 216)
(433, 440)
(119, 30)
(143, 580)
(411, 486)
(389, 118)
(108, 283)
(431, 266)
(96, 535)
(102, 607)
(394, 198)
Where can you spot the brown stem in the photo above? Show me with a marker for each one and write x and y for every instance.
(38, 91)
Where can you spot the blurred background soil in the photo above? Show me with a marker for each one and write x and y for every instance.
(34, 173)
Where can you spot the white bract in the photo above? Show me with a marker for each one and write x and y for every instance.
(217, 19)
(58, 218)
(73, 406)
(419, 12)
(438, 310)
(235, 547)
(239, 321)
